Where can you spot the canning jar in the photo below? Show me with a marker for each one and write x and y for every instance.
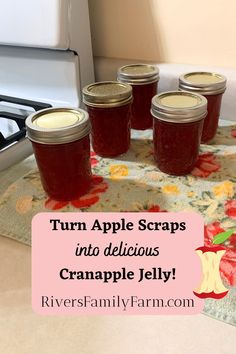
(60, 139)
(108, 105)
(212, 86)
(144, 80)
(178, 121)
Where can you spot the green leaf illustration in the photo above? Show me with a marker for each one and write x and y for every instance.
(222, 237)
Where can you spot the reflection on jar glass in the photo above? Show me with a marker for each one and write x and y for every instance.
(144, 80)
(108, 104)
(212, 86)
(178, 121)
(60, 139)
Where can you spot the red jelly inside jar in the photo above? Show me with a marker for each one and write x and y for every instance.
(110, 130)
(141, 117)
(108, 105)
(144, 80)
(64, 165)
(212, 86)
(177, 129)
(176, 146)
(212, 119)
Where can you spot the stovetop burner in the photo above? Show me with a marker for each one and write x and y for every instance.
(13, 144)
(18, 118)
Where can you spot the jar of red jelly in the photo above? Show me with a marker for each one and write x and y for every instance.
(108, 104)
(144, 80)
(212, 86)
(60, 139)
(178, 121)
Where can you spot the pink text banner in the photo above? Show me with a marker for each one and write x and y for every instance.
(116, 263)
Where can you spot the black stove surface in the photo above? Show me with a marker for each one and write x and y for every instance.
(19, 119)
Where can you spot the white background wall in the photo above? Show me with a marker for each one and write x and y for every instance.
(180, 31)
(193, 34)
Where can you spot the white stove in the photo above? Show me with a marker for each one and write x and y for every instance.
(45, 60)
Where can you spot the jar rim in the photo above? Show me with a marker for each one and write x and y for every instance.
(179, 106)
(203, 82)
(107, 94)
(138, 74)
(58, 135)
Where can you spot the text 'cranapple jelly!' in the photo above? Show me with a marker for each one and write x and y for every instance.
(108, 104)
(178, 121)
(144, 80)
(60, 139)
(212, 86)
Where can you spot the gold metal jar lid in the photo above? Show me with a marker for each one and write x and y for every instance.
(57, 125)
(138, 74)
(205, 83)
(179, 107)
(107, 94)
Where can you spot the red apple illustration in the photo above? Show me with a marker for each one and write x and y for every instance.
(211, 285)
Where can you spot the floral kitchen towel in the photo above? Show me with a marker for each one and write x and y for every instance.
(132, 182)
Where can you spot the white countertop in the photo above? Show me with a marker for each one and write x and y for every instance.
(24, 332)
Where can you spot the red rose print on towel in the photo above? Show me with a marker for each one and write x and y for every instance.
(205, 165)
(230, 208)
(93, 159)
(233, 133)
(228, 262)
(91, 198)
(155, 209)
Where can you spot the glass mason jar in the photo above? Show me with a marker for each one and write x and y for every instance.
(178, 121)
(212, 86)
(144, 80)
(60, 139)
(108, 104)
